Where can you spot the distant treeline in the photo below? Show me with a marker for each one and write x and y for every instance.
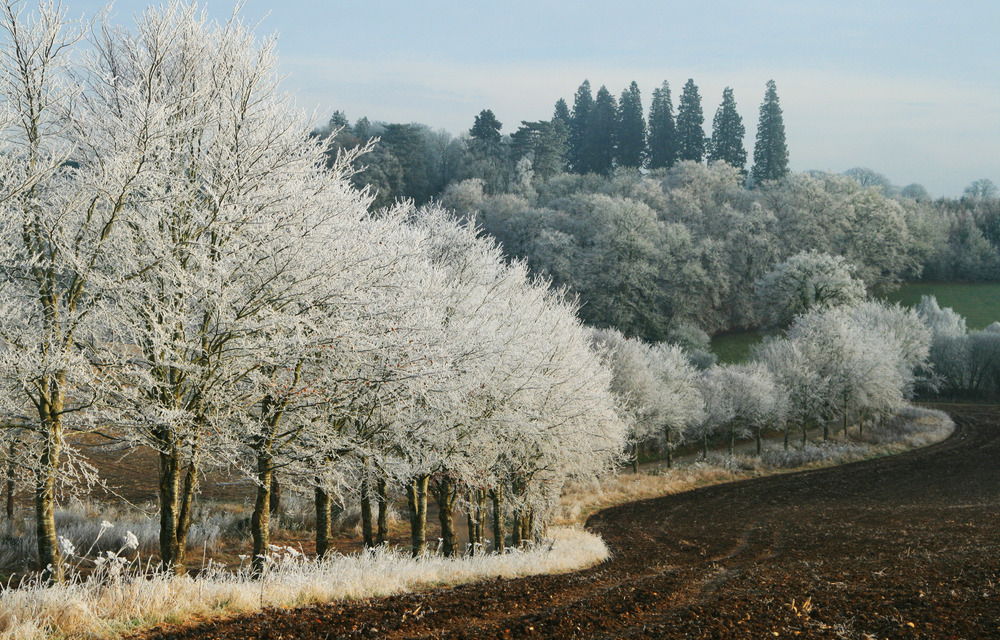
(598, 135)
(660, 230)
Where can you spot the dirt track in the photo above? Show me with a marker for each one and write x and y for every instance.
(907, 546)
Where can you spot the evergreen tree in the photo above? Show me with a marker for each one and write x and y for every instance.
(486, 128)
(630, 134)
(727, 134)
(601, 132)
(690, 125)
(662, 140)
(544, 143)
(770, 155)
(561, 112)
(583, 102)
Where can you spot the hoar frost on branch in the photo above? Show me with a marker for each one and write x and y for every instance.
(200, 281)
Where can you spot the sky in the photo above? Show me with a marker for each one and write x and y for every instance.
(910, 89)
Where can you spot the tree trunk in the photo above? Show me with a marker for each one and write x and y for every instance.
(445, 493)
(805, 434)
(322, 501)
(499, 533)
(367, 528)
(516, 530)
(846, 412)
(757, 438)
(786, 437)
(416, 494)
(275, 504)
(11, 469)
(49, 556)
(171, 555)
(383, 511)
(670, 450)
(635, 458)
(477, 521)
(732, 439)
(260, 520)
(704, 447)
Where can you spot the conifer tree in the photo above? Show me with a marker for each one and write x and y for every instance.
(630, 135)
(486, 128)
(583, 102)
(601, 132)
(726, 144)
(690, 125)
(770, 155)
(662, 140)
(561, 112)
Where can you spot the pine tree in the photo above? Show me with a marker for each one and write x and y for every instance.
(486, 128)
(690, 125)
(662, 140)
(544, 142)
(561, 112)
(726, 144)
(583, 102)
(630, 134)
(601, 132)
(770, 154)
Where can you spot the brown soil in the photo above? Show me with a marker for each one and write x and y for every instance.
(899, 547)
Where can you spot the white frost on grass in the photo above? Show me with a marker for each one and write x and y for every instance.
(118, 600)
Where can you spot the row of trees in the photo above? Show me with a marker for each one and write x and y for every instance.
(966, 363)
(854, 363)
(600, 134)
(181, 269)
(604, 135)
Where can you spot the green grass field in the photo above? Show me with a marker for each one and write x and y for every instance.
(978, 302)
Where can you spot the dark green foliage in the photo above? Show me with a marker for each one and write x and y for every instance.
(561, 112)
(408, 145)
(382, 174)
(690, 125)
(770, 155)
(544, 143)
(601, 132)
(662, 140)
(630, 136)
(726, 144)
(486, 128)
(579, 125)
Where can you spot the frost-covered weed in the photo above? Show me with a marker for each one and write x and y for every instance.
(93, 529)
(115, 598)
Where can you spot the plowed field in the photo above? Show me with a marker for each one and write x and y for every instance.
(899, 547)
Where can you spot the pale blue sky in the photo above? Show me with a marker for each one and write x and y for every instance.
(910, 89)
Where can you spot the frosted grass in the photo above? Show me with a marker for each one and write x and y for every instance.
(118, 598)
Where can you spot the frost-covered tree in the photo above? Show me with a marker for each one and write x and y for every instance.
(741, 401)
(656, 385)
(807, 281)
(60, 205)
(227, 247)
